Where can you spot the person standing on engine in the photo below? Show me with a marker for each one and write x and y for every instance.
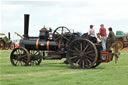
(91, 34)
(103, 34)
(111, 38)
(91, 31)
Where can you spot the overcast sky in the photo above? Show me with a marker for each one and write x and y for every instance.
(74, 14)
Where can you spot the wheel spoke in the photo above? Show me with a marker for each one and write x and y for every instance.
(85, 48)
(88, 52)
(90, 48)
(62, 30)
(89, 62)
(24, 56)
(57, 33)
(16, 62)
(14, 56)
(76, 49)
(83, 64)
(73, 57)
(78, 61)
(90, 58)
(57, 38)
(72, 50)
(74, 60)
(75, 54)
(65, 38)
(91, 55)
(81, 46)
(24, 60)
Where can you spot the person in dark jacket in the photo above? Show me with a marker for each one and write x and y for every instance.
(111, 37)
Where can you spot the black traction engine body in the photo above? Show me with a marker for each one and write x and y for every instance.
(80, 51)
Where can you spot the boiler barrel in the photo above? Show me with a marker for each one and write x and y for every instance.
(38, 44)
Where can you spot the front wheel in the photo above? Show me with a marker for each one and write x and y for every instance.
(20, 57)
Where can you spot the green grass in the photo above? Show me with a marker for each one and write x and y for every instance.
(51, 72)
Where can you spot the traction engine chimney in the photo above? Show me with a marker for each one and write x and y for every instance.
(26, 25)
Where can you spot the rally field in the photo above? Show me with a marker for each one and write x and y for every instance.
(52, 72)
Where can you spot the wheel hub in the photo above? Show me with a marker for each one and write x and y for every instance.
(19, 58)
(81, 54)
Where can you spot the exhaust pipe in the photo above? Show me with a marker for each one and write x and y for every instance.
(9, 35)
(26, 25)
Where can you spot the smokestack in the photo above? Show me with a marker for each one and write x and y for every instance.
(26, 25)
(9, 35)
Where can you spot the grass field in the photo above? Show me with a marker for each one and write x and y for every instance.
(52, 72)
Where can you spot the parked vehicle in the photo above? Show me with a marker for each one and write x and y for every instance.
(81, 52)
(5, 42)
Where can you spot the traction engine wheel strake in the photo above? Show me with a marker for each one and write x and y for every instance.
(35, 57)
(82, 54)
(20, 56)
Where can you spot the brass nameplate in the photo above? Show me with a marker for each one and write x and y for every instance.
(42, 44)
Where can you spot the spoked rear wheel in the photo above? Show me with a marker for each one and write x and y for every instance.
(20, 57)
(36, 57)
(82, 54)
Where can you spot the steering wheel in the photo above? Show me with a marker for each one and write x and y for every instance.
(61, 34)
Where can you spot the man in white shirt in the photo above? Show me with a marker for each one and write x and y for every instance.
(91, 34)
(91, 31)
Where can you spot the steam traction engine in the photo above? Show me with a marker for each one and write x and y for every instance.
(6, 42)
(80, 51)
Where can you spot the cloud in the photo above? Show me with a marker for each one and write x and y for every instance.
(76, 15)
(9, 7)
(110, 8)
(48, 3)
